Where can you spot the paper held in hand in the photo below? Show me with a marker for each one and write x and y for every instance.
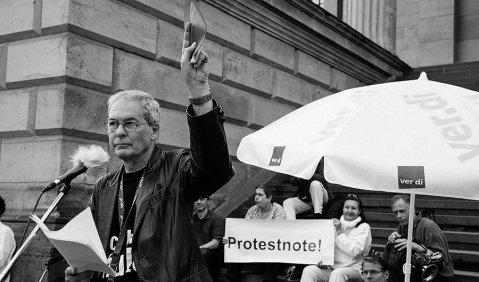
(198, 25)
(79, 243)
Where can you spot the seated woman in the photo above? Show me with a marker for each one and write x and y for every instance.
(267, 210)
(353, 240)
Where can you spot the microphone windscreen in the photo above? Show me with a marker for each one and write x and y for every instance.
(90, 156)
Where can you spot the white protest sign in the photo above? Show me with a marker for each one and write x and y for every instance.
(286, 241)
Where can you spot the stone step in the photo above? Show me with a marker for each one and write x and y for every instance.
(376, 194)
(462, 209)
(455, 75)
(466, 276)
(436, 204)
(463, 75)
(456, 240)
(471, 83)
(444, 69)
(251, 275)
(458, 218)
(462, 260)
(446, 222)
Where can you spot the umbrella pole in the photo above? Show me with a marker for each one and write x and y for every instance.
(407, 265)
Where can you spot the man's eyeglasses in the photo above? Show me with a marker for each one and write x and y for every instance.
(129, 126)
(371, 272)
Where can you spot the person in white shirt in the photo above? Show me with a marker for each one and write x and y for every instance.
(353, 241)
(265, 209)
(7, 241)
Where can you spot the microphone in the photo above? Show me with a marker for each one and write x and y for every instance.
(83, 159)
(67, 177)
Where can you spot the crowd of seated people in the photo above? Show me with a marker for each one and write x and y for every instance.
(352, 258)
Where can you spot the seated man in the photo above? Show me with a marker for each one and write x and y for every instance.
(264, 209)
(311, 194)
(375, 269)
(209, 229)
(428, 237)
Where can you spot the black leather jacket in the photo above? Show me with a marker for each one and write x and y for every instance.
(164, 244)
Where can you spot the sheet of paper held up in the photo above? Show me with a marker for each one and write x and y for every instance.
(79, 243)
(198, 25)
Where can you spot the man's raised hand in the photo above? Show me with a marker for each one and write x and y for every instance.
(194, 70)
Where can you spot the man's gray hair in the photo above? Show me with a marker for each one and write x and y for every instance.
(404, 197)
(152, 115)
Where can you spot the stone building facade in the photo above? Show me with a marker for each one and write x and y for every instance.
(420, 32)
(60, 60)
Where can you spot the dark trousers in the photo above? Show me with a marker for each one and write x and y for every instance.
(233, 273)
(214, 260)
(398, 276)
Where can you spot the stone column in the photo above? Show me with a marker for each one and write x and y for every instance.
(375, 19)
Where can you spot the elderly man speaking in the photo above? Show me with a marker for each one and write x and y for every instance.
(142, 211)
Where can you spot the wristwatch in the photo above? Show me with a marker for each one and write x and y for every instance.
(201, 100)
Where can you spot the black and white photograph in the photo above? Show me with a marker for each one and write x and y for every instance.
(239, 141)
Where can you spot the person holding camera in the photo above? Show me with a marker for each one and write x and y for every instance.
(428, 238)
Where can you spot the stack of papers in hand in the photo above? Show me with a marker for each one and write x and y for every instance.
(79, 243)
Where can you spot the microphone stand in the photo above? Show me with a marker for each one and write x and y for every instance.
(62, 192)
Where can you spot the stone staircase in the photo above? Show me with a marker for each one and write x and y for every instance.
(464, 74)
(458, 218)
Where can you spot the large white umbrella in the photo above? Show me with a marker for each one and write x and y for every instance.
(417, 136)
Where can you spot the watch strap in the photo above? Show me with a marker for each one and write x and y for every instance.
(201, 100)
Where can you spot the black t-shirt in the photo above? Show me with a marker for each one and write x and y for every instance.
(126, 267)
(209, 228)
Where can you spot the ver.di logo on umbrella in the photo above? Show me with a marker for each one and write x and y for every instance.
(277, 156)
(410, 177)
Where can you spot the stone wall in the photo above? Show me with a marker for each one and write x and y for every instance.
(422, 33)
(467, 31)
(426, 32)
(61, 59)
